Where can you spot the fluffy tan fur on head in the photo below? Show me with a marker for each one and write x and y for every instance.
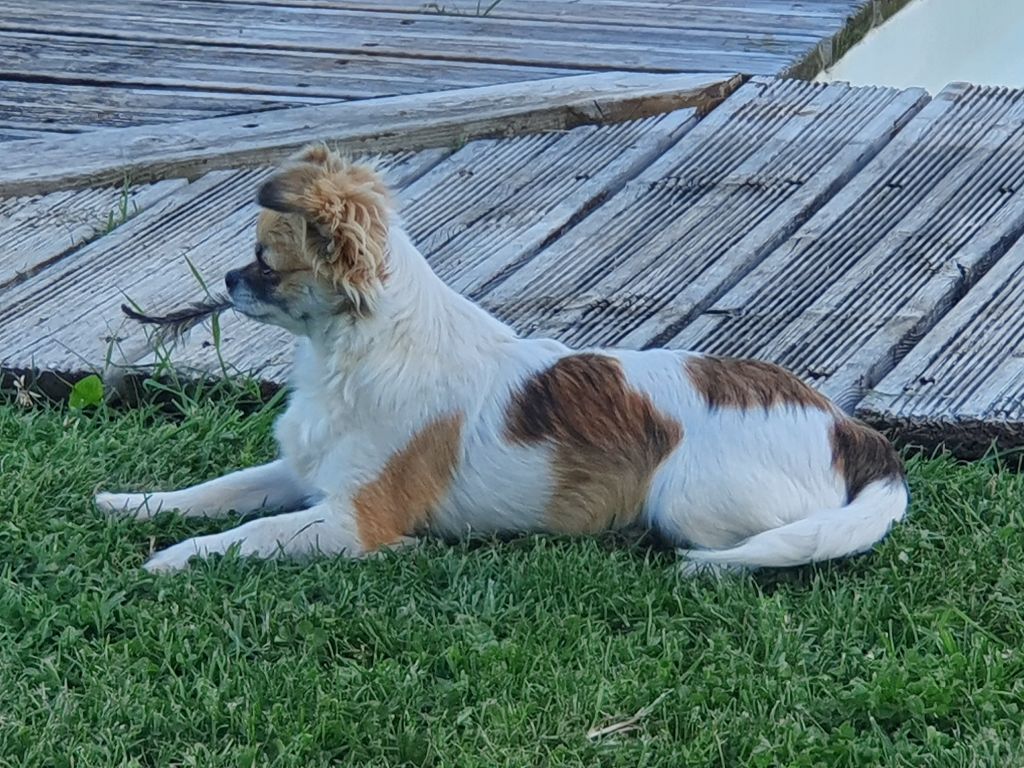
(348, 206)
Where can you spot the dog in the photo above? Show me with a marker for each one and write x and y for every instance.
(413, 412)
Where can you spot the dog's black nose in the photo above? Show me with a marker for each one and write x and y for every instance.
(231, 279)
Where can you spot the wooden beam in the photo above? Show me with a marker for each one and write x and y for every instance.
(190, 148)
(871, 14)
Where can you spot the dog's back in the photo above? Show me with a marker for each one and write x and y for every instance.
(738, 461)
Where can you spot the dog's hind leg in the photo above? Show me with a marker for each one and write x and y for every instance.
(269, 486)
(327, 528)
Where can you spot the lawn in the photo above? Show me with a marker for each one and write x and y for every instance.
(487, 655)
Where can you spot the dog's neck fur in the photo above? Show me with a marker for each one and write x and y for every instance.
(419, 331)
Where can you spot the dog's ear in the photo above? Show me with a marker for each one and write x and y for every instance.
(318, 153)
(349, 206)
(288, 190)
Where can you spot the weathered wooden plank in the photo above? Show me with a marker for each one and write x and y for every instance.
(593, 47)
(35, 232)
(96, 64)
(208, 223)
(597, 9)
(480, 213)
(52, 106)
(703, 215)
(852, 291)
(776, 18)
(99, 61)
(492, 206)
(962, 385)
(276, 24)
(281, 51)
(394, 123)
(15, 134)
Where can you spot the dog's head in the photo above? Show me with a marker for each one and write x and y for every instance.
(321, 243)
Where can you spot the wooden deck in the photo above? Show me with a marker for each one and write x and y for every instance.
(70, 66)
(870, 239)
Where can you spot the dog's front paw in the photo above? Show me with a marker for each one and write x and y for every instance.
(126, 504)
(174, 558)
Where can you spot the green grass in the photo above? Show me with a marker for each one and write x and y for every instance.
(487, 655)
(123, 208)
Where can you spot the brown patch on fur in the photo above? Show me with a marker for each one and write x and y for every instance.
(608, 440)
(348, 206)
(862, 455)
(726, 382)
(284, 241)
(412, 483)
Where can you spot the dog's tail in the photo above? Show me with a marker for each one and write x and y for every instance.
(823, 535)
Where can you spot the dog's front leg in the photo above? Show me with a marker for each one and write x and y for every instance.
(270, 486)
(327, 528)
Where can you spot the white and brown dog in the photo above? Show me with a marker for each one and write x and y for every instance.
(413, 412)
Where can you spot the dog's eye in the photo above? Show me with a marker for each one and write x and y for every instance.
(265, 269)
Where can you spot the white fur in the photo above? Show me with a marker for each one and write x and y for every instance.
(742, 488)
(270, 486)
(822, 535)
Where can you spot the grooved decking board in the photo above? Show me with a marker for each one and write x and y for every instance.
(67, 318)
(34, 232)
(479, 214)
(495, 203)
(962, 385)
(701, 216)
(98, 62)
(857, 286)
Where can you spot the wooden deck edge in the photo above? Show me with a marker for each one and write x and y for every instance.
(964, 438)
(129, 388)
(445, 118)
(830, 50)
